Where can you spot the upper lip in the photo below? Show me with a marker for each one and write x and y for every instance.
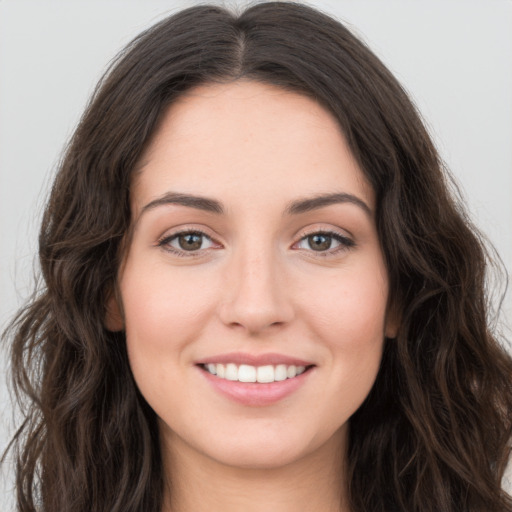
(270, 358)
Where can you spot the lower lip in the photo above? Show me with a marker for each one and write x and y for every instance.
(256, 394)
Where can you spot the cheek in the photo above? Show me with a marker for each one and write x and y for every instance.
(165, 312)
(348, 318)
(159, 320)
(349, 308)
(161, 307)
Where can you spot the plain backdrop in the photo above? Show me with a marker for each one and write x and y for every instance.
(453, 56)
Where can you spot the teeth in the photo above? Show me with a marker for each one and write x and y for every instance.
(231, 372)
(280, 372)
(265, 374)
(248, 373)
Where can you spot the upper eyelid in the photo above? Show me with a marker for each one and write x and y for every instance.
(167, 238)
(302, 234)
(170, 233)
(345, 241)
(339, 232)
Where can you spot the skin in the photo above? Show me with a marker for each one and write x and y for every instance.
(255, 285)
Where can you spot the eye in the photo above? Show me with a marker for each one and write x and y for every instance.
(186, 242)
(325, 242)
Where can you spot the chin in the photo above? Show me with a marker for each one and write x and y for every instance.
(261, 455)
(268, 451)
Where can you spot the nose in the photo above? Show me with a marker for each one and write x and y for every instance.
(255, 294)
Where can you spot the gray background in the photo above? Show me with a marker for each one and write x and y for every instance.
(453, 56)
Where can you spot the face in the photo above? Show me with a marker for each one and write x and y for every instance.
(254, 291)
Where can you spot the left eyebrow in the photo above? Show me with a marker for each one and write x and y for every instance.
(199, 202)
(313, 203)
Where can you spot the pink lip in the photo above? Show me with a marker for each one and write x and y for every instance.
(239, 358)
(255, 394)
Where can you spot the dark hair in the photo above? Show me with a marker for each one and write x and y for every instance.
(433, 434)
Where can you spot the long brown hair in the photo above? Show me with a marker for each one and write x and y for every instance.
(433, 434)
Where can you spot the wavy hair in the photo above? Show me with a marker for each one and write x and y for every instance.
(434, 433)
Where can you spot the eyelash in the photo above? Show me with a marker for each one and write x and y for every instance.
(164, 243)
(345, 243)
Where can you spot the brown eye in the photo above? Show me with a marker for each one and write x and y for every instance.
(187, 241)
(326, 243)
(319, 242)
(190, 241)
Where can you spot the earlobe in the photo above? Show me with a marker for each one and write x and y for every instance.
(114, 320)
(391, 330)
(392, 323)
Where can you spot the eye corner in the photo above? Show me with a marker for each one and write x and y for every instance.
(325, 247)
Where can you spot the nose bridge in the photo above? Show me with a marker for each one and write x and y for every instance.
(255, 295)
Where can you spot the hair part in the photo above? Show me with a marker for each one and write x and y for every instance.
(433, 435)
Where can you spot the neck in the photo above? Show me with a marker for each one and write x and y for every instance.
(313, 483)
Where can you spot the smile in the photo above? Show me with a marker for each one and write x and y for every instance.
(248, 373)
(255, 380)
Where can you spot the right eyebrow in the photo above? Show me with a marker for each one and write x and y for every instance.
(322, 200)
(202, 203)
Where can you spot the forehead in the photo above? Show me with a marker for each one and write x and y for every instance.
(247, 139)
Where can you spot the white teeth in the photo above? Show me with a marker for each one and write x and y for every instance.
(265, 374)
(231, 371)
(291, 371)
(248, 373)
(280, 372)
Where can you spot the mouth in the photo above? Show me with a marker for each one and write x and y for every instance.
(255, 381)
(264, 374)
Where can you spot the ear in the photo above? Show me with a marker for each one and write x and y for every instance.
(391, 330)
(114, 319)
(393, 320)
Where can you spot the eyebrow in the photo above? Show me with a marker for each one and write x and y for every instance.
(322, 200)
(295, 207)
(198, 202)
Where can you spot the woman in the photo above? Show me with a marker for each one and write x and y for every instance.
(259, 294)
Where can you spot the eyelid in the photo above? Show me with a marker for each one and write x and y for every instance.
(346, 242)
(169, 235)
(331, 230)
